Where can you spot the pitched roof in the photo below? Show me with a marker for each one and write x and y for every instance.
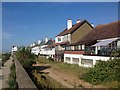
(42, 43)
(110, 30)
(49, 42)
(36, 45)
(73, 28)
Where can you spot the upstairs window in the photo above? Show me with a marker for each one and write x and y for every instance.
(59, 39)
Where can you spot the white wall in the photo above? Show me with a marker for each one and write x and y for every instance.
(73, 56)
(63, 38)
(50, 52)
(94, 58)
(56, 39)
(35, 50)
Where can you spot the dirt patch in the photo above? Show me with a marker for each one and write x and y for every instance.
(66, 79)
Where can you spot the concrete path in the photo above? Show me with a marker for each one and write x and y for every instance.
(4, 73)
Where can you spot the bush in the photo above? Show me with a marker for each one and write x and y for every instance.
(5, 57)
(104, 71)
(51, 59)
(25, 57)
(12, 83)
(28, 63)
(24, 53)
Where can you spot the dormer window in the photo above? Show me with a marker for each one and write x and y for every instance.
(59, 39)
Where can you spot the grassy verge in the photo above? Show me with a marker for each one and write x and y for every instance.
(12, 83)
(64, 67)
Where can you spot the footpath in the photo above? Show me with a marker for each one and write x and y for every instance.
(4, 73)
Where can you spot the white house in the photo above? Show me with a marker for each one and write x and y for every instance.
(71, 35)
(44, 47)
(35, 48)
(14, 49)
(50, 51)
(48, 48)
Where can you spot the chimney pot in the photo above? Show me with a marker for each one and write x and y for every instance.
(46, 39)
(39, 41)
(78, 21)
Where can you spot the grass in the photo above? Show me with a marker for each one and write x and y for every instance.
(12, 83)
(47, 82)
(112, 84)
(64, 67)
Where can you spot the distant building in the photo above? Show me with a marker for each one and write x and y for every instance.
(35, 49)
(49, 50)
(14, 49)
(45, 47)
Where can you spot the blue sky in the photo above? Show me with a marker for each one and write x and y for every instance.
(24, 23)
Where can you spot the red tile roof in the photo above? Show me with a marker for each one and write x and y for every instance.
(72, 29)
(110, 30)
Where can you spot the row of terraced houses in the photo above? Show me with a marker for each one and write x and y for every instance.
(81, 43)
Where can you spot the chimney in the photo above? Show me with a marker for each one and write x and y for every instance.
(33, 44)
(39, 41)
(78, 21)
(69, 24)
(92, 25)
(46, 39)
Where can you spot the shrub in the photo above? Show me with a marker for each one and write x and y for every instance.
(25, 57)
(104, 71)
(12, 83)
(5, 57)
(51, 59)
(24, 53)
(28, 63)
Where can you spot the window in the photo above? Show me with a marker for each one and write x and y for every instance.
(79, 47)
(72, 48)
(59, 39)
(67, 59)
(75, 60)
(83, 47)
(86, 61)
(67, 47)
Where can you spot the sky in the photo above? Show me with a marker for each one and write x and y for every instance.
(25, 23)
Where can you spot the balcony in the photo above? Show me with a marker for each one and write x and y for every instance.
(74, 52)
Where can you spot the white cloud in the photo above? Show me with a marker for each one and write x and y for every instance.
(6, 35)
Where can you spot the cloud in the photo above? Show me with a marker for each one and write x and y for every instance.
(6, 35)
